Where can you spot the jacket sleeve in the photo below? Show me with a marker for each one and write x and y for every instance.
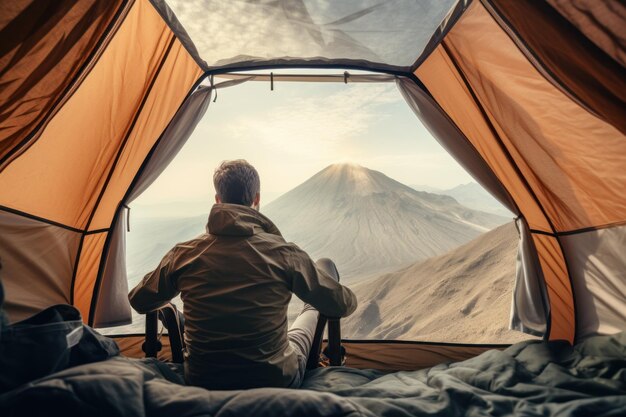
(158, 287)
(315, 287)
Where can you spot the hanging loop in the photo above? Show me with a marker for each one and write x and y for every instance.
(213, 89)
(127, 217)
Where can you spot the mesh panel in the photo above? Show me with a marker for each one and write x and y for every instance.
(389, 33)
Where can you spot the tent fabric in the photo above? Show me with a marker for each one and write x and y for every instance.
(174, 137)
(111, 300)
(536, 122)
(529, 309)
(602, 21)
(110, 291)
(453, 94)
(448, 22)
(453, 140)
(446, 80)
(84, 184)
(32, 250)
(84, 277)
(361, 354)
(310, 32)
(559, 287)
(75, 172)
(45, 51)
(399, 356)
(549, 152)
(598, 267)
(131, 346)
(566, 57)
(530, 306)
(177, 75)
(449, 89)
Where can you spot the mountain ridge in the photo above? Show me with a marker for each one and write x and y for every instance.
(471, 195)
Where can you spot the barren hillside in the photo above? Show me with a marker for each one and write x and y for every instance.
(462, 296)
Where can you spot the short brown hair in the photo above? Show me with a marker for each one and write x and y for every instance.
(236, 182)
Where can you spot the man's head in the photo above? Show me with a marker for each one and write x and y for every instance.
(237, 182)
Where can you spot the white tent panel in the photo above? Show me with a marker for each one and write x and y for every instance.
(598, 266)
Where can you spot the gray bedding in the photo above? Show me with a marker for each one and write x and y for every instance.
(529, 378)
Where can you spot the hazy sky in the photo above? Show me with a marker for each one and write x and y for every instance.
(298, 129)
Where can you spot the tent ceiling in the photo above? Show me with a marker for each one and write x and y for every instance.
(369, 32)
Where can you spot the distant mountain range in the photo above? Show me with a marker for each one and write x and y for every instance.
(368, 223)
(462, 296)
(471, 195)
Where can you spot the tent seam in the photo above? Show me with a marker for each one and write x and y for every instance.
(81, 74)
(75, 267)
(581, 230)
(51, 222)
(122, 203)
(521, 45)
(119, 153)
(421, 85)
(520, 175)
(128, 133)
(189, 46)
(505, 189)
(432, 46)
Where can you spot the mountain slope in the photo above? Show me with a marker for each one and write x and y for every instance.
(462, 296)
(368, 223)
(476, 197)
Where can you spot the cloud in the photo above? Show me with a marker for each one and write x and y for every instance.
(296, 131)
(318, 126)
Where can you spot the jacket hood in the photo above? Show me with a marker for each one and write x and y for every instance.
(238, 220)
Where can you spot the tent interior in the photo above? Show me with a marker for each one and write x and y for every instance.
(98, 98)
(299, 128)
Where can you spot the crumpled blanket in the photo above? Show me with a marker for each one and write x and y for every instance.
(530, 378)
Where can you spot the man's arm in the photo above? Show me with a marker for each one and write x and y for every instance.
(157, 288)
(317, 288)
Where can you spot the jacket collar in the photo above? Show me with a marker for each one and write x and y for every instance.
(238, 220)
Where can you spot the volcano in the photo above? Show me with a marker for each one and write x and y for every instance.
(369, 223)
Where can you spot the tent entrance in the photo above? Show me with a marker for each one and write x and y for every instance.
(359, 135)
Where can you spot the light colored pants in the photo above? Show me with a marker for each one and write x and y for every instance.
(302, 331)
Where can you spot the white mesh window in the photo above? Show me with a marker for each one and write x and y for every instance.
(391, 33)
